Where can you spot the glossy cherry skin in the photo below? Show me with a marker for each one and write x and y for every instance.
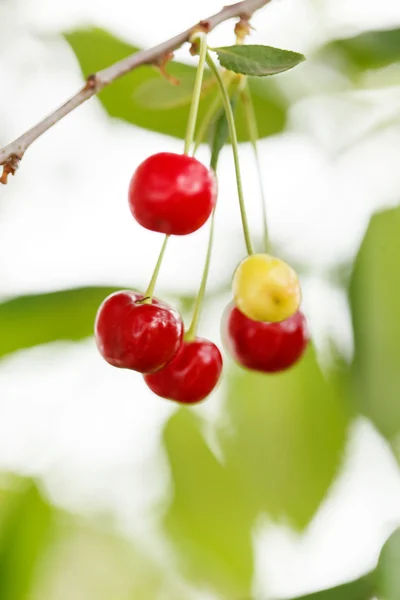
(132, 335)
(265, 288)
(172, 193)
(265, 347)
(191, 376)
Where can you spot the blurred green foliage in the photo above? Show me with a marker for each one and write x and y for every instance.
(27, 321)
(284, 438)
(208, 521)
(388, 572)
(25, 526)
(368, 50)
(375, 301)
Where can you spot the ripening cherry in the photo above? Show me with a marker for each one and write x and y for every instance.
(265, 347)
(191, 376)
(172, 193)
(134, 335)
(265, 288)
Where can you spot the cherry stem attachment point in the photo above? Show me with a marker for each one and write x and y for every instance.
(235, 147)
(254, 137)
(148, 295)
(194, 108)
(191, 332)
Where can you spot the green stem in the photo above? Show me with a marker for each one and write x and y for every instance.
(210, 114)
(191, 332)
(191, 126)
(150, 290)
(194, 108)
(233, 135)
(254, 137)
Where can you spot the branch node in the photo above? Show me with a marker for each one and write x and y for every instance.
(10, 167)
(91, 82)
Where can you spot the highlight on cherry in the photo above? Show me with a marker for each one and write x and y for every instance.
(263, 329)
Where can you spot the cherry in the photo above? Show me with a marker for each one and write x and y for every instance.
(172, 193)
(134, 335)
(266, 347)
(191, 375)
(265, 288)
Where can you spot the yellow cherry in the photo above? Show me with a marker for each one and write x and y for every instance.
(265, 288)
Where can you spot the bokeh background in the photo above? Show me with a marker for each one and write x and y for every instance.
(275, 487)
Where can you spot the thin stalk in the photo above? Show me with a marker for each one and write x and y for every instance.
(191, 332)
(235, 148)
(150, 290)
(194, 108)
(254, 137)
(228, 77)
(191, 126)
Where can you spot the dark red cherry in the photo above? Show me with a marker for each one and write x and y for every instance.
(172, 193)
(261, 346)
(191, 376)
(132, 335)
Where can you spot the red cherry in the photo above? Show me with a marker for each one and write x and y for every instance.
(131, 335)
(261, 346)
(191, 376)
(172, 193)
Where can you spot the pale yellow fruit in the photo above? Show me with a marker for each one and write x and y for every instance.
(266, 288)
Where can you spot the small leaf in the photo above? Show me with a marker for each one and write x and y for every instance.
(66, 315)
(257, 60)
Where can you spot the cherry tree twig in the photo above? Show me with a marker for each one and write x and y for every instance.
(11, 154)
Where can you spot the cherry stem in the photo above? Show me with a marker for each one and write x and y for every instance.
(232, 131)
(254, 137)
(194, 108)
(210, 114)
(150, 290)
(191, 332)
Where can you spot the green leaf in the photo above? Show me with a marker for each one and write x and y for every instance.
(359, 589)
(24, 533)
(257, 60)
(285, 438)
(220, 132)
(161, 94)
(388, 572)
(375, 302)
(128, 98)
(207, 520)
(369, 50)
(91, 561)
(66, 315)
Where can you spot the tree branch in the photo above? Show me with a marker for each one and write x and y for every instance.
(11, 154)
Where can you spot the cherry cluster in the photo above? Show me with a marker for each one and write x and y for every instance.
(172, 194)
(263, 329)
